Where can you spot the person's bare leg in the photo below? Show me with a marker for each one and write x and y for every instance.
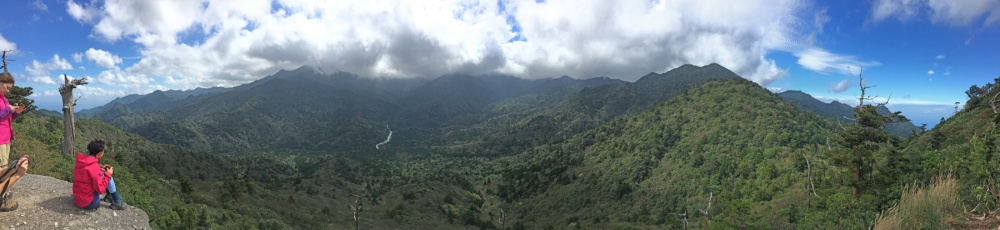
(7, 204)
(14, 177)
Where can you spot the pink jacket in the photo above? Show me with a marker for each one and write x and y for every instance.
(7, 117)
(88, 178)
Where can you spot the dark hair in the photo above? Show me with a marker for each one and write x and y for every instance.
(5, 77)
(95, 147)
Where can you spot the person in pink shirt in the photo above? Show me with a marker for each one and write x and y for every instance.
(8, 113)
(91, 180)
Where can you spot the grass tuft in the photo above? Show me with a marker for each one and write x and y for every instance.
(923, 208)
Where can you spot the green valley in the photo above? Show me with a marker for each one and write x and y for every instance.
(693, 147)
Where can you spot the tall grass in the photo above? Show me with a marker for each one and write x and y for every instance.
(923, 208)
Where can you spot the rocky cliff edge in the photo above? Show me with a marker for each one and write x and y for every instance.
(47, 203)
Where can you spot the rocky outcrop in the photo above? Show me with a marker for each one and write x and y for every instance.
(47, 203)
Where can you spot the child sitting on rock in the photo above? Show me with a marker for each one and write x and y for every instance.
(90, 180)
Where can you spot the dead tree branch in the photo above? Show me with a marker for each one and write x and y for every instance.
(811, 185)
(861, 83)
(842, 125)
(69, 130)
(5, 59)
(357, 207)
(708, 209)
(685, 218)
(502, 218)
(993, 101)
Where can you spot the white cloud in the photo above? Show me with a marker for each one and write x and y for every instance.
(41, 80)
(116, 77)
(38, 4)
(96, 92)
(6, 45)
(672, 33)
(965, 12)
(950, 12)
(47, 93)
(77, 57)
(841, 86)
(90, 91)
(40, 71)
(103, 58)
(232, 42)
(895, 101)
(904, 10)
(939, 57)
(820, 18)
(148, 22)
(905, 101)
(930, 72)
(82, 13)
(819, 60)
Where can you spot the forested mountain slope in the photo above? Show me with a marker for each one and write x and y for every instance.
(172, 185)
(311, 110)
(157, 100)
(968, 145)
(514, 154)
(183, 189)
(728, 138)
(592, 107)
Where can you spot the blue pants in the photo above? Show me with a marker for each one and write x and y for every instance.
(96, 203)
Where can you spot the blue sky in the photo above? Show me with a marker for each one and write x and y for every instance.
(924, 53)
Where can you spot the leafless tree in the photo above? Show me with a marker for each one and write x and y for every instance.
(684, 218)
(993, 101)
(357, 207)
(502, 218)
(5, 59)
(708, 209)
(69, 130)
(811, 185)
(861, 83)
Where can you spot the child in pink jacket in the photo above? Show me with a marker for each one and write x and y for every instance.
(91, 180)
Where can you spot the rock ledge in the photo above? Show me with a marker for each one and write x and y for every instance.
(47, 203)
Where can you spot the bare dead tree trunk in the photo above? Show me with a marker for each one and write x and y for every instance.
(861, 103)
(861, 82)
(993, 102)
(357, 208)
(502, 218)
(69, 130)
(5, 59)
(811, 185)
(684, 218)
(863, 98)
(708, 209)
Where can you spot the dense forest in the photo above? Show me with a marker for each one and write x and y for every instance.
(694, 147)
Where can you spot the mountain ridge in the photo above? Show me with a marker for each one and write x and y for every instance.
(594, 106)
(344, 102)
(649, 162)
(612, 161)
(844, 113)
